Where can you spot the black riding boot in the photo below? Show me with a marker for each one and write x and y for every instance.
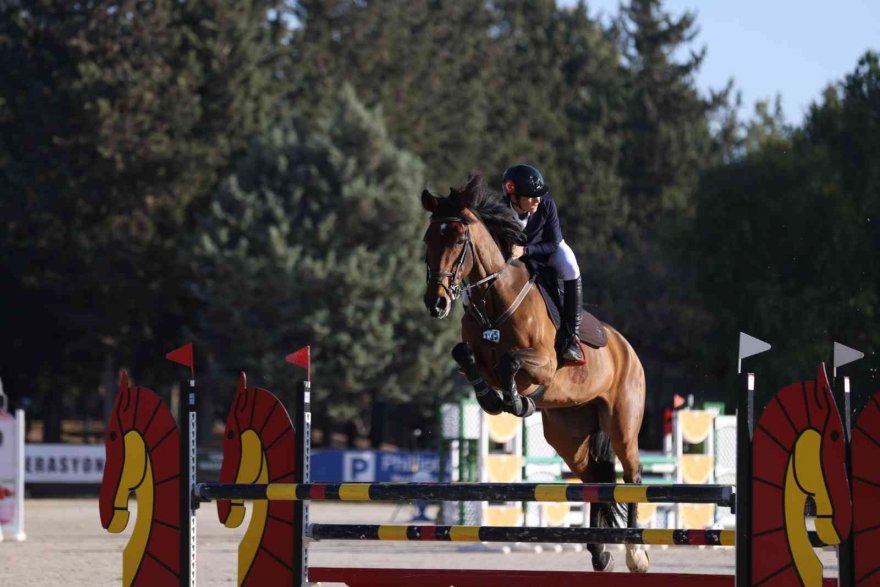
(570, 348)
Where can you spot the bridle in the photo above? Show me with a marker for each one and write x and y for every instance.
(456, 281)
(455, 287)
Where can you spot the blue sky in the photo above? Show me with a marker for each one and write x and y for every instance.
(769, 47)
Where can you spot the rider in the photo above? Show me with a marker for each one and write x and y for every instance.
(529, 198)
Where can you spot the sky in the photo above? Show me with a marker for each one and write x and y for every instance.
(789, 48)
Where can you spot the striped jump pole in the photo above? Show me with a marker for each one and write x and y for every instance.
(556, 535)
(547, 492)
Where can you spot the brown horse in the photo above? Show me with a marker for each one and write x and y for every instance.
(591, 411)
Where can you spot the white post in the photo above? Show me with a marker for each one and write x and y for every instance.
(19, 485)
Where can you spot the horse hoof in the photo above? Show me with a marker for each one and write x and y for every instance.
(637, 560)
(603, 562)
(490, 400)
(519, 406)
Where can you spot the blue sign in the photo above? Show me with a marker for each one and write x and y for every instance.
(370, 466)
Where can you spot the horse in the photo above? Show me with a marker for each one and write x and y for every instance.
(591, 411)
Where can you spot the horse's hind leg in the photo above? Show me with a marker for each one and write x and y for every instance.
(637, 559)
(488, 398)
(600, 469)
(625, 424)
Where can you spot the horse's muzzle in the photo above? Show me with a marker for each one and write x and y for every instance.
(437, 305)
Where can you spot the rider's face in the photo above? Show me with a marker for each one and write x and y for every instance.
(526, 203)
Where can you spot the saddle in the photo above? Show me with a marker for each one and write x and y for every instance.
(591, 332)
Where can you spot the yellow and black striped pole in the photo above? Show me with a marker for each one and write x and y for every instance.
(549, 492)
(518, 534)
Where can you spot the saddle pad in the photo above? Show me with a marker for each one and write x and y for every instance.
(591, 332)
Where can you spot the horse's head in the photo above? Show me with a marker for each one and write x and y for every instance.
(243, 460)
(449, 256)
(820, 466)
(125, 461)
(470, 230)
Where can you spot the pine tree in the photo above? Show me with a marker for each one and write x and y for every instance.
(780, 237)
(422, 62)
(115, 117)
(593, 97)
(668, 139)
(316, 240)
(527, 123)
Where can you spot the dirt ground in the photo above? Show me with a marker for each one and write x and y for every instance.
(66, 546)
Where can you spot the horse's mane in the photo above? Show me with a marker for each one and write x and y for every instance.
(489, 207)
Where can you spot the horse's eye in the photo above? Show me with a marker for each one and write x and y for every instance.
(461, 241)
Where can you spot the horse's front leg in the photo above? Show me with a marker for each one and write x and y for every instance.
(525, 362)
(488, 397)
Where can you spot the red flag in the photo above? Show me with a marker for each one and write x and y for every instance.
(677, 401)
(183, 356)
(667, 421)
(302, 358)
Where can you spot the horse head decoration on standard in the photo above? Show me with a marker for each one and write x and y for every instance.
(508, 352)
(799, 452)
(258, 448)
(143, 455)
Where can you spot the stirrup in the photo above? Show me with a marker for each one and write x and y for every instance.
(573, 353)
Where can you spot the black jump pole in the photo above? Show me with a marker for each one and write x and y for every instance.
(186, 424)
(745, 427)
(303, 430)
(843, 355)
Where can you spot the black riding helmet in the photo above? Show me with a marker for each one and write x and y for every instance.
(524, 180)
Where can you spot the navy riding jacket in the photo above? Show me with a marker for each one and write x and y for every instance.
(543, 231)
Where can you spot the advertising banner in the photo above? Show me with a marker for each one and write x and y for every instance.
(64, 463)
(371, 466)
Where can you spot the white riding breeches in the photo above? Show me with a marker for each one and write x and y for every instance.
(565, 263)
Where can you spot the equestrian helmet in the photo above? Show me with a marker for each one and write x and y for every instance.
(524, 180)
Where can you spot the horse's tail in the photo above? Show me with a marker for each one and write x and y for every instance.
(602, 462)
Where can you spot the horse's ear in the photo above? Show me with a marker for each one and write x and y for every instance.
(429, 201)
(464, 198)
(474, 182)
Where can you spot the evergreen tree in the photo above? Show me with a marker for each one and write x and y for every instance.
(780, 237)
(668, 140)
(526, 98)
(588, 153)
(422, 62)
(316, 240)
(766, 125)
(114, 118)
(471, 85)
